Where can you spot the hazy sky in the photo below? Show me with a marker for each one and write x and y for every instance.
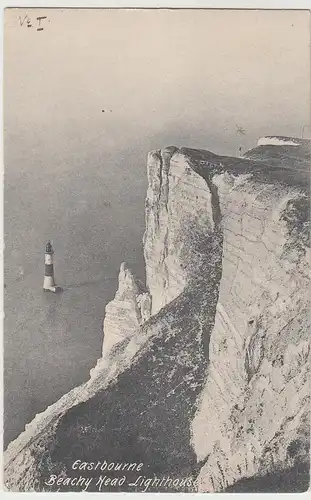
(186, 75)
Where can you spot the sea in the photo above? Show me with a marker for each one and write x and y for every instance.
(93, 211)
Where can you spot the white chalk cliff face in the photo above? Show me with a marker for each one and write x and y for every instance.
(204, 372)
(178, 205)
(255, 403)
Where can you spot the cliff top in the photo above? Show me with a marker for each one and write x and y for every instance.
(283, 164)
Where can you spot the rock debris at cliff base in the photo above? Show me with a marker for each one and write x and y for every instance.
(205, 367)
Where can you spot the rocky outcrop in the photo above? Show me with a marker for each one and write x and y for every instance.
(130, 308)
(204, 373)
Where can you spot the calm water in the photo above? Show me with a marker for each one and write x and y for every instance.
(94, 213)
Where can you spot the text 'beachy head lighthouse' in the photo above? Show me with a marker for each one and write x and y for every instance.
(49, 283)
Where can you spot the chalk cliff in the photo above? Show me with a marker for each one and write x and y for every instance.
(204, 372)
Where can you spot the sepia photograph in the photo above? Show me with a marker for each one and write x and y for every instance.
(156, 250)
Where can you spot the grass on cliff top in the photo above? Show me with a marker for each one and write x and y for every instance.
(287, 165)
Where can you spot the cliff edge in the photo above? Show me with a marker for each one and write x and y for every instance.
(204, 374)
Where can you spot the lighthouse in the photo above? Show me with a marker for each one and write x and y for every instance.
(49, 283)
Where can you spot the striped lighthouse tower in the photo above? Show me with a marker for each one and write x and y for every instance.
(49, 283)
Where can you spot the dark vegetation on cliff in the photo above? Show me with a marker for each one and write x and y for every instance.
(145, 415)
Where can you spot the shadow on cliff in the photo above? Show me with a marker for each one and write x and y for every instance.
(293, 480)
(145, 416)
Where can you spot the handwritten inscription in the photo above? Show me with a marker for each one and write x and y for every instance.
(39, 22)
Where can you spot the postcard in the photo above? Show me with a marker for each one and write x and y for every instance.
(157, 250)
